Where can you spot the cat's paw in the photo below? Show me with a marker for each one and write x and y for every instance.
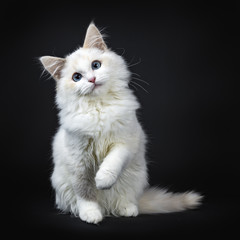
(91, 214)
(128, 210)
(105, 179)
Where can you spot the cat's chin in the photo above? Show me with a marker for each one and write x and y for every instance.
(97, 90)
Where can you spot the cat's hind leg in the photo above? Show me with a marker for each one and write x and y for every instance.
(127, 191)
(127, 209)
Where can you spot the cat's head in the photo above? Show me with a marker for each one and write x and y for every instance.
(93, 70)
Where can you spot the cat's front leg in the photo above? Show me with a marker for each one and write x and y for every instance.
(88, 208)
(89, 211)
(105, 178)
(112, 166)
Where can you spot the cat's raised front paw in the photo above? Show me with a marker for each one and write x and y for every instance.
(105, 179)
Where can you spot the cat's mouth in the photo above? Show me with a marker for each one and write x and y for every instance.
(96, 85)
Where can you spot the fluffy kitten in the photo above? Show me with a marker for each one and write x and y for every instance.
(99, 149)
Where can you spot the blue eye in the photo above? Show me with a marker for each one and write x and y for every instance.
(76, 77)
(96, 65)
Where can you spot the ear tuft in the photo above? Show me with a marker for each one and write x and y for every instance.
(53, 65)
(94, 38)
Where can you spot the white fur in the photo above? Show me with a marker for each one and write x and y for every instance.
(100, 133)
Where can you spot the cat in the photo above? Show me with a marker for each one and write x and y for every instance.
(99, 148)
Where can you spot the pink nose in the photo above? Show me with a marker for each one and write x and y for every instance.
(92, 80)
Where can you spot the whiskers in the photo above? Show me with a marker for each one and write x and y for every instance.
(134, 64)
(86, 89)
(136, 82)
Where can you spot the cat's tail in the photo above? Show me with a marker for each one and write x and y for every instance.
(155, 200)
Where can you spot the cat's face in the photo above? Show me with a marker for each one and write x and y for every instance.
(92, 70)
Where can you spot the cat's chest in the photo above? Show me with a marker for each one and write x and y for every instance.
(98, 148)
(102, 127)
(87, 149)
(99, 121)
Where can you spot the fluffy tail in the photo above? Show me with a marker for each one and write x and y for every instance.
(156, 200)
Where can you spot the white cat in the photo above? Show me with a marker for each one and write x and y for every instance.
(99, 149)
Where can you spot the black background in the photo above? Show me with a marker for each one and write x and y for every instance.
(186, 51)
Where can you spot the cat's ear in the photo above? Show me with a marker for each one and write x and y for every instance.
(53, 65)
(94, 38)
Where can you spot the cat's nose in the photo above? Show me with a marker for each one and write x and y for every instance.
(92, 80)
